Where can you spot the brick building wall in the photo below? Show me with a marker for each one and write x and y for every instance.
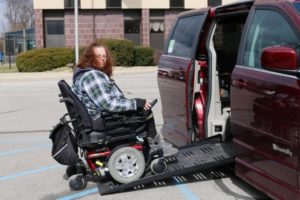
(93, 25)
(39, 33)
(97, 20)
(96, 24)
(170, 18)
(145, 28)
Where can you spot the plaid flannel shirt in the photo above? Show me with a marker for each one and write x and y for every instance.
(99, 93)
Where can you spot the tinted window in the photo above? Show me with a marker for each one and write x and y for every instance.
(176, 3)
(157, 21)
(297, 6)
(268, 28)
(132, 26)
(184, 36)
(113, 3)
(55, 27)
(214, 2)
(70, 3)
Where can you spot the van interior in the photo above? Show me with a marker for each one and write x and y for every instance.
(222, 46)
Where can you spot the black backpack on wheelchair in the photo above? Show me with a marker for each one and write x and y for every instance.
(105, 143)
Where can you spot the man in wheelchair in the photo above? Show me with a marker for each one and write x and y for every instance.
(117, 136)
(94, 87)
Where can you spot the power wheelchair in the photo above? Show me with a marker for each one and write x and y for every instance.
(113, 147)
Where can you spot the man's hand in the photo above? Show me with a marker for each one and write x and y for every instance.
(147, 106)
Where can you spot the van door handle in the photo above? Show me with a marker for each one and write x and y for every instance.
(239, 83)
(268, 92)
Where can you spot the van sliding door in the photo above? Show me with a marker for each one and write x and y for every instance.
(175, 74)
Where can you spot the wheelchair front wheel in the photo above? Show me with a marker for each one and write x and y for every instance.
(70, 171)
(126, 165)
(77, 182)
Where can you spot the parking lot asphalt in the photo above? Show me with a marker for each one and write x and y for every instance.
(67, 73)
(29, 107)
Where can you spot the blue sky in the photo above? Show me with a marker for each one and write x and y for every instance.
(2, 18)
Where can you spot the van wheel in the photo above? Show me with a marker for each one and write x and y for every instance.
(126, 165)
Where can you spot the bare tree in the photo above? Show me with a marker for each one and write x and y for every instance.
(19, 14)
(2, 27)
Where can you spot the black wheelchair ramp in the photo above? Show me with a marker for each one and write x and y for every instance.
(193, 158)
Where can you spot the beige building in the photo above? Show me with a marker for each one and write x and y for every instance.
(146, 22)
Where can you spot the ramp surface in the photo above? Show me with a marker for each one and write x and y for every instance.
(193, 158)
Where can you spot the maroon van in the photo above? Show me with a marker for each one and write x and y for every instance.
(234, 71)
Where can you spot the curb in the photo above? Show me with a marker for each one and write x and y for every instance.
(67, 74)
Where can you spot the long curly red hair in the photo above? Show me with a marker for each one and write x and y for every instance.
(88, 59)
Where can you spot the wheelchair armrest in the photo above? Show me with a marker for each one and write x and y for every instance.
(114, 114)
(109, 116)
(106, 114)
(69, 100)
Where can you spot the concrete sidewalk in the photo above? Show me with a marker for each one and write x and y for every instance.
(66, 74)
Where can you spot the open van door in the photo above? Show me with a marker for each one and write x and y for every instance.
(175, 75)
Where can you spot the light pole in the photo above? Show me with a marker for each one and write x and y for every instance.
(76, 30)
(9, 52)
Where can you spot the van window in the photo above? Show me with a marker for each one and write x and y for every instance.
(297, 6)
(184, 36)
(268, 28)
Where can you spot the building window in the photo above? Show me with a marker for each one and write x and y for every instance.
(132, 26)
(113, 4)
(132, 23)
(55, 27)
(176, 3)
(157, 28)
(214, 2)
(70, 3)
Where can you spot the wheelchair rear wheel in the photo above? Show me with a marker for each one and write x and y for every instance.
(126, 165)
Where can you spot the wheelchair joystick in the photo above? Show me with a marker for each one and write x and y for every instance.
(152, 103)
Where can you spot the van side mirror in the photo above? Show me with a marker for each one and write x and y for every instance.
(279, 58)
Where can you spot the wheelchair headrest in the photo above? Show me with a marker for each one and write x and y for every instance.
(78, 113)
